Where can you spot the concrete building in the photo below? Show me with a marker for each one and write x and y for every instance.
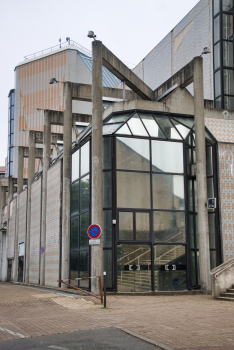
(155, 152)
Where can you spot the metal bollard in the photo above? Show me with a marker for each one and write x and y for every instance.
(104, 285)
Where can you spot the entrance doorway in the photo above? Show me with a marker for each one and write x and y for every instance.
(9, 270)
(134, 268)
(170, 267)
(21, 269)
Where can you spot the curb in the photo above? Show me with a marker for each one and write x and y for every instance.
(147, 340)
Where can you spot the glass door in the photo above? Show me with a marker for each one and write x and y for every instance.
(170, 267)
(134, 268)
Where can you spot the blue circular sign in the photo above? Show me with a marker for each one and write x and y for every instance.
(94, 231)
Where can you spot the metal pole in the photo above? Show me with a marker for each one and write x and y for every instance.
(104, 286)
(202, 212)
(97, 200)
(46, 164)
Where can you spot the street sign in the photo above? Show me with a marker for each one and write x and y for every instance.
(211, 203)
(94, 231)
(94, 241)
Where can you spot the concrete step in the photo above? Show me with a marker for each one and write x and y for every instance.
(230, 290)
(226, 299)
(227, 295)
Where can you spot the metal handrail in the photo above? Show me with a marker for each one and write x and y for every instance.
(56, 47)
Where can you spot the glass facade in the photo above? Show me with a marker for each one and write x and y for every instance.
(150, 190)
(223, 54)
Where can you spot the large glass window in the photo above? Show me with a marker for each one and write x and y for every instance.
(169, 227)
(227, 5)
(227, 27)
(167, 157)
(216, 56)
(215, 7)
(217, 84)
(228, 81)
(168, 192)
(80, 217)
(227, 53)
(132, 154)
(133, 190)
(216, 29)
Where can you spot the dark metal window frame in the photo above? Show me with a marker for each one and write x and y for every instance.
(116, 210)
(221, 40)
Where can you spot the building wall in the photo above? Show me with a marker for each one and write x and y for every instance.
(22, 216)
(11, 231)
(32, 91)
(35, 231)
(185, 41)
(226, 175)
(53, 224)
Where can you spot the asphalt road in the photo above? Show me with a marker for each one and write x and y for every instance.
(98, 339)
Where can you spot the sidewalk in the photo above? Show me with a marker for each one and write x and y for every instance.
(181, 322)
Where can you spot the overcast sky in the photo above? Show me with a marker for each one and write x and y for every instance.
(129, 28)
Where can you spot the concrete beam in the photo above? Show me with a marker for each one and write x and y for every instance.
(121, 71)
(56, 118)
(83, 92)
(54, 137)
(182, 78)
(38, 152)
(76, 117)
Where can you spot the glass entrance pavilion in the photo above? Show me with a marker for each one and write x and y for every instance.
(149, 188)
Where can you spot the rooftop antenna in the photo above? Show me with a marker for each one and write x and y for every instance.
(91, 35)
(60, 42)
(68, 40)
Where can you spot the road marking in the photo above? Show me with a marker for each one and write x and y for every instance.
(165, 326)
(57, 347)
(11, 332)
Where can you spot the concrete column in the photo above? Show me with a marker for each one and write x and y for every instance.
(31, 174)
(67, 146)
(97, 196)
(46, 164)
(10, 196)
(20, 182)
(203, 226)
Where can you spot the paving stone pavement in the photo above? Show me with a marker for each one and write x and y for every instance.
(183, 322)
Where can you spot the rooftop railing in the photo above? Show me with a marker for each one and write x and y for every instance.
(57, 47)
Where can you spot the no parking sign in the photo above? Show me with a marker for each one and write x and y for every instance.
(94, 232)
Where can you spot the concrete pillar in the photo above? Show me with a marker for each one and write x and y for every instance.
(46, 164)
(10, 196)
(67, 146)
(97, 196)
(31, 174)
(202, 212)
(20, 182)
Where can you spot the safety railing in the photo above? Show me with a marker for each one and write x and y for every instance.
(103, 300)
(57, 47)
